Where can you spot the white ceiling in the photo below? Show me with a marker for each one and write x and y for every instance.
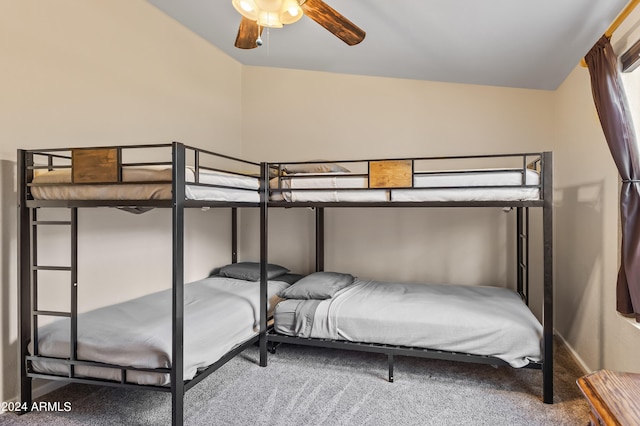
(512, 43)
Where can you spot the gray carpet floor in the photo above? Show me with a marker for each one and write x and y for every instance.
(315, 386)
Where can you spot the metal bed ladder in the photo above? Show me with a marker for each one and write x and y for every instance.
(30, 311)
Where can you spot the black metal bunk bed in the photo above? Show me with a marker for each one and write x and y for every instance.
(281, 195)
(105, 165)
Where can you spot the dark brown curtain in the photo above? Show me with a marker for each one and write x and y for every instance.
(617, 126)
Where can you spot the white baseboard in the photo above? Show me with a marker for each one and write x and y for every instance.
(574, 354)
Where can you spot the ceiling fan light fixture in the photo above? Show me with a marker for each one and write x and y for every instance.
(257, 14)
(290, 12)
(246, 8)
(269, 19)
(269, 13)
(269, 5)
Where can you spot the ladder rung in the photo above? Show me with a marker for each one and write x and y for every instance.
(51, 268)
(51, 222)
(53, 313)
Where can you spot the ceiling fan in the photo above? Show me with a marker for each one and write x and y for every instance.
(257, 14)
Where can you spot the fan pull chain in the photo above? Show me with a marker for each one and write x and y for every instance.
(259, 40)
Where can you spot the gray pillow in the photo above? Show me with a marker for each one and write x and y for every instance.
(315, 168)
(319, 285)
(250, 271)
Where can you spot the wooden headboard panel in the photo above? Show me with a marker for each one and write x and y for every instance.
(391, 174)
(95, 165)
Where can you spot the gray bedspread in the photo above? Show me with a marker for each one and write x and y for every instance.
(477, 320)
(219, 314)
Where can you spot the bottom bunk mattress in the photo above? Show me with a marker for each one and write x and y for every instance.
(479, 320)
(220, 313)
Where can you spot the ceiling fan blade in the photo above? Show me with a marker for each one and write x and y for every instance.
(248, 33)
(333, 21)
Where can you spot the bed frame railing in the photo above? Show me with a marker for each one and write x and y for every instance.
(399, 173)
(106, 164)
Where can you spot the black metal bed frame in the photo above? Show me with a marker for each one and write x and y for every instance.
(28, 268)
(522, 247)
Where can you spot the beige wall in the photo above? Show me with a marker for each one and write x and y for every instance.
(585, 222)
(289, 115)
(101, 72)
(587, 230)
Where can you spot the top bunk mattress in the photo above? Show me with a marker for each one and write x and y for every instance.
(483, 185)
(474, 185)
(155, 184)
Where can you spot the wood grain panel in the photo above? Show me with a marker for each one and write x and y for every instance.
(614, 397)
(248, 34)
(333, 21)
(94, 165)
(390, 174)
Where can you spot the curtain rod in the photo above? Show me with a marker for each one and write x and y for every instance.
(619, 20)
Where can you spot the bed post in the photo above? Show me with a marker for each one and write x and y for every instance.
(74, 289)
(522, 244)
(526, 256)
(264, 228)
(234, 235)
(24, 281)
(177, 364)
(519, 250)
(547, 323)
(319, 239)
